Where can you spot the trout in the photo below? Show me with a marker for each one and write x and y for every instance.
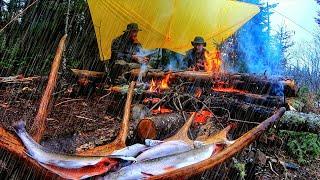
(164, 149)
(83, 172)
(158, 166)
(42, 155)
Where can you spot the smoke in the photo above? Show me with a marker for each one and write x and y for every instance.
(256, 49)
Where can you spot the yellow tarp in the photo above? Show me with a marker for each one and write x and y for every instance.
(170, 24)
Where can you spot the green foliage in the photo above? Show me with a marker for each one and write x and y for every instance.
(301, 145)
(241, 168)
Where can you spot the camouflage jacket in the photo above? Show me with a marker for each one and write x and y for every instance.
(192, 58)
(123, 48)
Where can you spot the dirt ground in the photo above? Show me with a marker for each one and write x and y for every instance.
(81, 121)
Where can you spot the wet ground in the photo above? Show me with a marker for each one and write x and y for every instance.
(79, 121)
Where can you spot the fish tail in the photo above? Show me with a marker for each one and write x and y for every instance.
(19, 126)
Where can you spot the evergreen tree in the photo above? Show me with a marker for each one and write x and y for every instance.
(318, 18)
(251, 47)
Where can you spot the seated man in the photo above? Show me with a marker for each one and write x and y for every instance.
(195, 57)
(124, 51)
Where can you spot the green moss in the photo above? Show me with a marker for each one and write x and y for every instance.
(301, 145)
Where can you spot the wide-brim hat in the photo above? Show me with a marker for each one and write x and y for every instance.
(198, 40)
(132, 27)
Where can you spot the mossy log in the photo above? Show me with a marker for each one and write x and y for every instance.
(297, 121)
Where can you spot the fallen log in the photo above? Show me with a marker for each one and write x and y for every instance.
(249, 82)
(159, 126)
(19, 79)
(88, 74)
(39, 123)
(297, 121)
(238, 145)
(12, 145)
(120, 141)
(262, 100)
(239, 109)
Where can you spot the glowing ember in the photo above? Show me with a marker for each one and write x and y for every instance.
(161, 110)
(228, 90)
(212, 62)
(202, 117)
(151, 100)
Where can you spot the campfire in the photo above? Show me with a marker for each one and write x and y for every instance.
(159, 85)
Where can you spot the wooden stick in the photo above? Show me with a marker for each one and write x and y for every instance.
(39, 123)
(182, 134)
(120, 141)
(220, 137)
(230, 151)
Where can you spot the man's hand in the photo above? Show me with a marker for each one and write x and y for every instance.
(201, 65)
(140, 59)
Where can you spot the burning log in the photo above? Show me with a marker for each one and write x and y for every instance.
(249, 82)
(228, 152)
(39, 123)
(159, 126)
(120, 141)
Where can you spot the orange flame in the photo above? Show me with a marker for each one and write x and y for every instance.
(164, 82)
(153, 86)
(160, 85)
(212, 62)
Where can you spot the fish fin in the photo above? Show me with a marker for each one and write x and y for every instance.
(19, 126)
(127, 158)
(147, 174)
(151, 142)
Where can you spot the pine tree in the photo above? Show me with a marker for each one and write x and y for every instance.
(318, 18)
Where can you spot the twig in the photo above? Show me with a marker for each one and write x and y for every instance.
(154, 106)
(247, 122)
(81, 117)
(272, 168)
(17, 16)
(67, 101)
(104, 96)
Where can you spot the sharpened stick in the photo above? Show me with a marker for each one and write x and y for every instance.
(39, 123)
(218, 138)
(182, 134)
(120, 141)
